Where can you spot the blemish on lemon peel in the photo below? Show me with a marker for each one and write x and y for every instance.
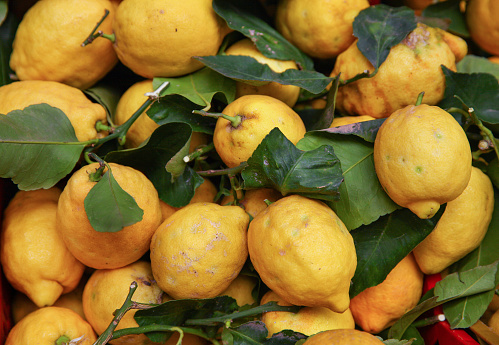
(417, 38)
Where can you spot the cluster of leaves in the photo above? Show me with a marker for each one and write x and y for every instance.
(333, 165)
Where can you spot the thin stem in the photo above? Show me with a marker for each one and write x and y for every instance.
(100, 126)
(429, 321)
(365, 74)
(485, 130)
(158, 328)
(97, 175)
(93, 35)
(198, 152)
(235, 121)
(228, 171)
(457, 110)
(420, 99)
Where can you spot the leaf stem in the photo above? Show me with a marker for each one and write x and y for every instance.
(365, 74)
(235, 121)
(228, 171)
(97, 175)
(159, 328)
(94, 34)
(198, 152)
(429, 320)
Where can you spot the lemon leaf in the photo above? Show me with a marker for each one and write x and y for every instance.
(153, 157)
(381, 27)
(7, 33)
(479, 91)
(277, 163)
(255, 332)
(38, 146)
(477, 64)
(249, 70)
(3, 10)
(448, 11)
(109, 208)
(243, 16)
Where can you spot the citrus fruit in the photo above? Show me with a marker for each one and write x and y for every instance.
(422, 158)
(241, 289)
(82, 112)
(321, 29)
(380, 306)
(343, 336)
(347, 120)
(34, 258)
(461, 228)
(107, 249)
(286, 93)
(106, 290)
(411, 67)
(159, 38)
(48, 43)
(253, 200)
(481, 20)
(258, 115)
(494, 322)
(308, 320)
(303, 252)
(50, 324)
(199, 250)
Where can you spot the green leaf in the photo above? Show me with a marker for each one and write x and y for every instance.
(381, 245)
(152, 159)
(465, 312)
(327, 114)
(278, 164)
(109, 208)
(249, 70)
(199, 87)
(360, 179)
(449, 11)
(3, 10)
(477, 64)
(106, 95)
(38, 146)
(243, 17)
(381, 27)
(479, 91)
(7, 33)
(285, 337)
(250, 333)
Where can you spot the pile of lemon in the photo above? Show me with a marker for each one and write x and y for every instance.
(70, 279)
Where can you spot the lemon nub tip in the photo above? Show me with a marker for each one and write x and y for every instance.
(424, 209)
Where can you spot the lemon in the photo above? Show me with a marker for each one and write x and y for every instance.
(241, 289)
(34, 257)
(253, 200)
(308, 320)
(347, 120)
(321, 29)
(259, 114)
(107, 249)
(422, 158)
(412, 66)
(481, 20)
(82, 112)
(199, 250)
(106, 290)
(380, 306)
(494, 322)
(303, 252)
(159, 38)
(343, 336)
(461, 228)
(286, 93)
(46, 325)
(48, 43)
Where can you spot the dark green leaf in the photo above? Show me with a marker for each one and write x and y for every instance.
(199, 87)
(493, 172)
(249, 70)
(286, 337)
(278, 164)
(479, 91)
(381, 27)
(250, 333)
(106, 95)
(241, 16)
(366, 130)
(38, 146)
(381, 245)
(327, 114)
(109, 208)
(7, 33)
(360, 179)
(465, 312)
(477, 64)
(3, 10)
(449, 11)
(153, 157)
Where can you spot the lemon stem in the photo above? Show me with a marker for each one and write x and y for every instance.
(235, 121)
(99, 126)
(429, 320)
(63, 339)
(97, 175)
(420, 99)
(220, 172)
(94, 34)
(198, 152)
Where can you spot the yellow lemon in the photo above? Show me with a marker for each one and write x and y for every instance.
(107, 249)
(82, 112)
(241, 289)
(481, 20)
(286, 93)
(159, 38)
(47, 325)
(303, 252)
(199, 250)
(106, 290)
(253, 200)
(34, 257)
(461, 228)
(422, 158)
(380, 306)
(494, 322)
(308, 320)
(321, 29)
(343, 336)
(346, 120)
(258, 115)
(412, 66)
(48, 43)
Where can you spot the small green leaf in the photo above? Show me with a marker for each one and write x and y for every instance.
(241, 16)
(38, 146)
(477, 64)
(109, 208)
(278, 164)
(7, 33)
(479, 91)
(199, 87)
(383, 244)
(381, 27)
(249, 70)
(450, 11)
